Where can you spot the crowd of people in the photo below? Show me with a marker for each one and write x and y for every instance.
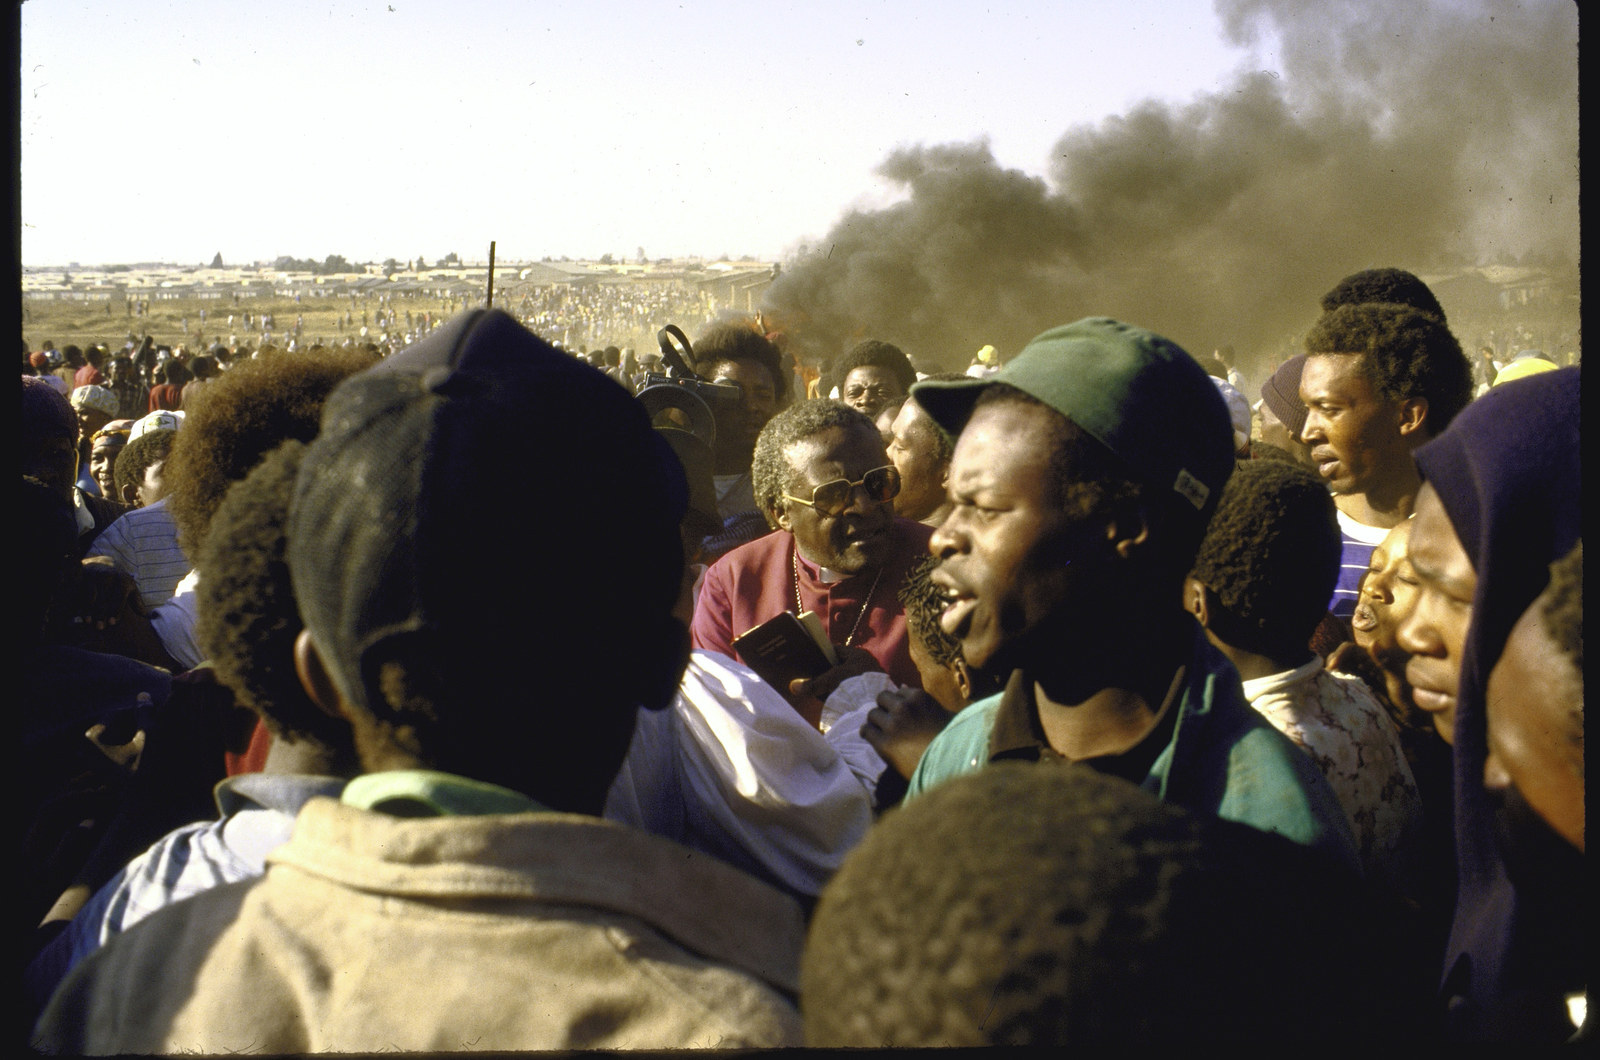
(599, 315)
(573, 316)
(1077, 698)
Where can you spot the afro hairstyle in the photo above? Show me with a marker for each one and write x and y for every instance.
(1408, 354)
(145, 451)
(733, 341)
(1033, 905)
(876, 354)
(238, 418)
(247, 619)
(1271, 556)
(1395, 286)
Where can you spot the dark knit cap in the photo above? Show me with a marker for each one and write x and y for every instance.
(402, 525)
(1508, 472)
(1281, 392)
(45, 412)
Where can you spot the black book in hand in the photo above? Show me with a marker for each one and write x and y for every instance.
(784, 648)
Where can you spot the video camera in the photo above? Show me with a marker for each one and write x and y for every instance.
(681, 391)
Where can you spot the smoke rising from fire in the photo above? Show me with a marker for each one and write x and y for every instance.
(1427, 135)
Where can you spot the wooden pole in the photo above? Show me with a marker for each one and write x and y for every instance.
(488, 299)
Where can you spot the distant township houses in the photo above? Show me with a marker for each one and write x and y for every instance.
(734, 285)
(737, 285)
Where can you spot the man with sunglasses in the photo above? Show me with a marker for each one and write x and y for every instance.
(827, 489)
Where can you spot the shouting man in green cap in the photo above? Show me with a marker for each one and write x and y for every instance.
(1083, 478)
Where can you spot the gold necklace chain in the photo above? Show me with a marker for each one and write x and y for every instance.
(798, 607)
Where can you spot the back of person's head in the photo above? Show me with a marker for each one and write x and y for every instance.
(876, 354)
(1561, 615)
(1026, 906)
(46, 412)
(1270, 557)
(695, 454)
(138, 456)
(1560, 612)
(203, 367)
(246, 616)
(1406, 354)
(177, 373)
(1395, 286)
(521, 663)
(238, 418)
(733, 341)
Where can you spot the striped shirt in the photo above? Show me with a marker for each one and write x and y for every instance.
(143, 544)
(1358, 541)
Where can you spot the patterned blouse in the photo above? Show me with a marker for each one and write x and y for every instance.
(1338, 722)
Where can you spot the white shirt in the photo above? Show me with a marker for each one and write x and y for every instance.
(730, 768)
(174, 622)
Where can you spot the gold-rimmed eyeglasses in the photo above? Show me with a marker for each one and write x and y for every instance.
(832, 498)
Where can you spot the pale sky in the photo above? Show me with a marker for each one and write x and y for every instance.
(171, 130)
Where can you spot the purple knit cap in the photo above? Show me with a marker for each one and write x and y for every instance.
(1281, 392)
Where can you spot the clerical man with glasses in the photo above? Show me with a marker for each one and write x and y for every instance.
(837, 549)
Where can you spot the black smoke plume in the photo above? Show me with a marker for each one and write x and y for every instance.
(1427, 135)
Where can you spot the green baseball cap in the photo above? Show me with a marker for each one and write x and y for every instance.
(1140, 395)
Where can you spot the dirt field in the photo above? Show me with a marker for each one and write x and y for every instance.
(83, 323)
